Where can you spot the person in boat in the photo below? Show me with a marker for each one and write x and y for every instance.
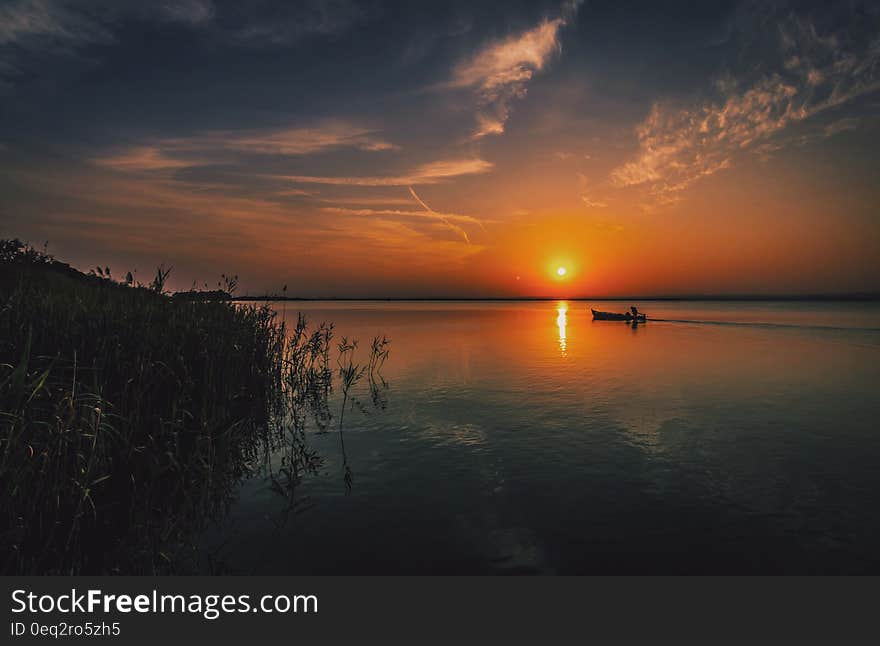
(635, 311)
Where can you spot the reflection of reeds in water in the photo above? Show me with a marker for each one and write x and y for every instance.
(378, 386)
(308, 385)
(128, 418)
(350, 373)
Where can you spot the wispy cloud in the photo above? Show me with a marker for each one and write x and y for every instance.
(33, 29)
(593, 204)
(289, 141)
(163, 217)
(446, 219)
(841, 125)
(294, 192)
(281, 24)
(182, 152)
(35, 32)
(820, 72)
(188, 11)
(253, 24)
(143, 158)
(430, 173)
(64, 24)
(23, 21)
(360, 200)
(400, 213)
(500, 71)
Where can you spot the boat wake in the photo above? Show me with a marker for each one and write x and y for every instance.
(764, 325)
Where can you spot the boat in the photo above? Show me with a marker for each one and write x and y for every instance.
(615, 316)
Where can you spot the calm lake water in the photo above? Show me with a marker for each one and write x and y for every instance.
(523, 437)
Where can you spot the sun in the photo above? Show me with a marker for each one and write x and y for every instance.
(561, 272)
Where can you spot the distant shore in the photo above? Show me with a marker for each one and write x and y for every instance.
(858, 297)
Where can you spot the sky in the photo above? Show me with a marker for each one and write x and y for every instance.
(454, 149)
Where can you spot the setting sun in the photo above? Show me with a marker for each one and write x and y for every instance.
(561, 271)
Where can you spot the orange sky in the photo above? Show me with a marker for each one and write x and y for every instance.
(472, 163)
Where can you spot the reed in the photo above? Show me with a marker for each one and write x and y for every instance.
(127, 417)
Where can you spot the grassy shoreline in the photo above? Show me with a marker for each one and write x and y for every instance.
(128, 417)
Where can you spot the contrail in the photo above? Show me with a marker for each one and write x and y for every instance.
(452, 226)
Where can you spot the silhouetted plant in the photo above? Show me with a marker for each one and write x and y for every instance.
(159, 280)
(16, 251)
(128, 418)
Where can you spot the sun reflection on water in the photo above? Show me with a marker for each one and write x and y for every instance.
(561, 322)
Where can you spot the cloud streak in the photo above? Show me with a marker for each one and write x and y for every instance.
(289, 141)
(60, 24)
(402, 213)
(820, 72)
(593, 204)
(431, 173)
(182, 152)
(31, 30)
(501, 71)
(143, 158)
(443, 218)
(25, 21)
(283, 24)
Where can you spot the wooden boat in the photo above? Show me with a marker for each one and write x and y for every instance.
(614, 316)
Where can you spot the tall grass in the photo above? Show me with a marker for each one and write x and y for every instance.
(127, 417)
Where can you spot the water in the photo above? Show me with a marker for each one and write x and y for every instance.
(524, 437)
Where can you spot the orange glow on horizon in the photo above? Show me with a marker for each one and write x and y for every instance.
(748, 235)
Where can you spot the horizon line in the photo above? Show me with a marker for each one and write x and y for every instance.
(852, 296)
